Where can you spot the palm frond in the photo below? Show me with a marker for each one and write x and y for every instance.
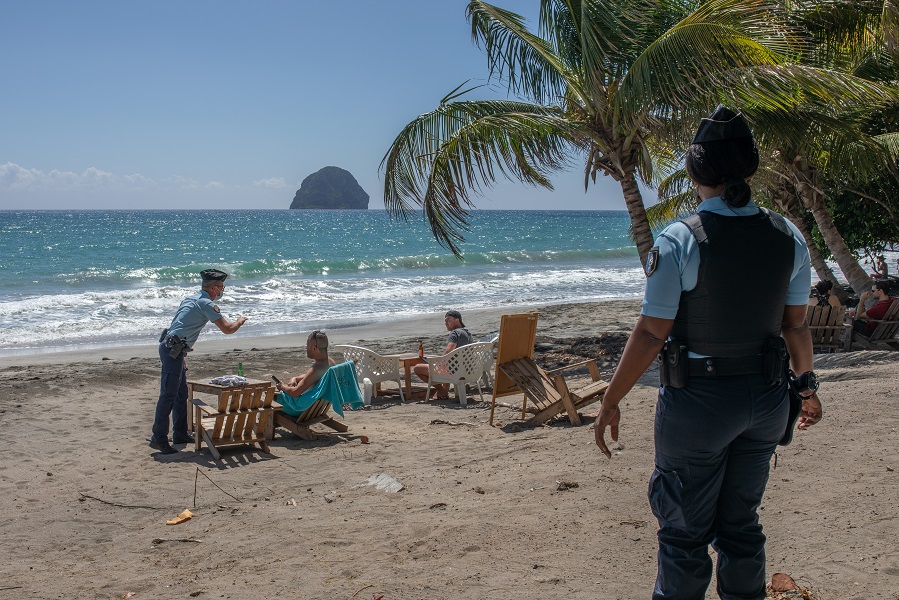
(890, 142)
(526, 63)
(721, 36)
(890, 27)
(789, 87)
(837, 29)
(874, 64)
(439, 160)
(676, 199)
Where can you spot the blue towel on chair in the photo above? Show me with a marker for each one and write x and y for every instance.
(338, 386)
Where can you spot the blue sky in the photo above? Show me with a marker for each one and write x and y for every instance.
(224, 104)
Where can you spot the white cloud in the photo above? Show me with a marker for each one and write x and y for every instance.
(272, 183)
(23, 187)
(139, 181)
(14, 177)
(184, 183)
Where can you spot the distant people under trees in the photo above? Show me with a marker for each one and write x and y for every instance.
(866, 320)
(822, 295)
(881, 271)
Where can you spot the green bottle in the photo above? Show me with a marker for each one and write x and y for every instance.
(240, 369)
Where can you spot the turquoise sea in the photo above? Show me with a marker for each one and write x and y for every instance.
(79, 279)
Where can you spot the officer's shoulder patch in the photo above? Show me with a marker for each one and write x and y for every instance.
(652, 261)
(215, 307)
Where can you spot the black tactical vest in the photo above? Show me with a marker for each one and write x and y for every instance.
(745, 264)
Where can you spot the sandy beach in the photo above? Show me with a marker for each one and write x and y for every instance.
(486, 512)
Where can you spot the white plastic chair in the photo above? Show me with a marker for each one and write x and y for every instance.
(372, 366)
(463, 365)
(490, 362)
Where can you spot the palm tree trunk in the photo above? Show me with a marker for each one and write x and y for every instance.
(813, 200)
(633, 199)
(823, 272)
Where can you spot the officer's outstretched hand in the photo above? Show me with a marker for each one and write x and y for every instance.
(607, 417)
(812, 411)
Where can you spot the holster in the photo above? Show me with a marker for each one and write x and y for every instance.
(175, 345)
(777, 368)
(795, 411)
(776, 360)
(673, 365)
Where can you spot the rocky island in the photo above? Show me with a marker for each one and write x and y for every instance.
(330, 188)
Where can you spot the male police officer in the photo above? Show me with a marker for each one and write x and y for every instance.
(193, 314)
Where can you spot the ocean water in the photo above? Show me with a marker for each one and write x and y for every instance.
(89, 279)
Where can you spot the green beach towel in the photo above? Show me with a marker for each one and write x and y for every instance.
(338, 386)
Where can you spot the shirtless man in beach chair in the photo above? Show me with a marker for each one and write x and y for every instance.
(317, 350)
(458, 336)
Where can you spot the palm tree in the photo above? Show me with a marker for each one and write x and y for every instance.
(804, 140)
(798, 147)
(603, 82)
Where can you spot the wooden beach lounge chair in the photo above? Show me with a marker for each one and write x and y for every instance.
(372, 366)
(242, 417)
(826, 324)
(338, 386)
(884, 335)
(516, 340)
(465, 364)
(549, 392)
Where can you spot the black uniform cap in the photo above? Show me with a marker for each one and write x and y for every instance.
(723, 124)
(213, 275)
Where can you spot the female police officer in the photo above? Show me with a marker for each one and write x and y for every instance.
(722, 412)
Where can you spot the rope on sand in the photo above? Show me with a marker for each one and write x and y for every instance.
(83, 495)
(453, 423)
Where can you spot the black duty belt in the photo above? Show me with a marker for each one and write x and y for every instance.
(726, 367)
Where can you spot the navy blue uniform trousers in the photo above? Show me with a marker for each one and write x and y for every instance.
(713, 445)
(172, 397)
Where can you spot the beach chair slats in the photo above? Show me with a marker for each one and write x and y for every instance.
(318, 413)
(827, 327)
(240, 418)
(517, 334)
(551, 396)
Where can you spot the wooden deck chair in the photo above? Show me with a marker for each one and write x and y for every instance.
(826, 324)
(884, 335)
(338, 386)
(549, 392)
(516, 340)
(242, 417)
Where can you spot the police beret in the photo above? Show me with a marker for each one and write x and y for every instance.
(723, 124)
(213, 275)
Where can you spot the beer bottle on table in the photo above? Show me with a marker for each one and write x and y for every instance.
(240, 369)
(421, 350)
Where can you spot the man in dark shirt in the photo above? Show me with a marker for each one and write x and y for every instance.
(458, 336)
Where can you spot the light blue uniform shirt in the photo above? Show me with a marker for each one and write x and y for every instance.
(678, 264)
(193, 314)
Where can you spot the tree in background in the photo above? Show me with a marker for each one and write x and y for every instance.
(812, 150)
(605, 82)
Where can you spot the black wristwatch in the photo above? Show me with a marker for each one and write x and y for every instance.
(807, 382)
